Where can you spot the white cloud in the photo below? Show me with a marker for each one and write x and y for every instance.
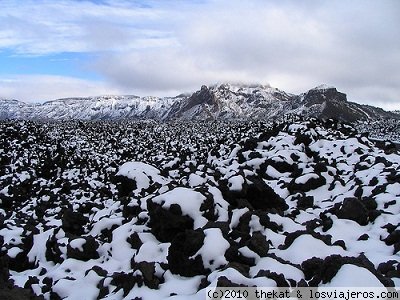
(44, 27)
(178, 45)
(39, 88)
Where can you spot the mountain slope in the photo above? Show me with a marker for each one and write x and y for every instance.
(224, 101)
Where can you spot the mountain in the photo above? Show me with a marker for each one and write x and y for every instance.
(223, 101)
(89, 108)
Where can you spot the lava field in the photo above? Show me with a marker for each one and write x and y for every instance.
(152, 210)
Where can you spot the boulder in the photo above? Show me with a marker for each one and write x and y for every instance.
(183, 247)
(73, 222)
(262, 196)
(83, 248)
(166, 224)
(258, 243)
(353, 209)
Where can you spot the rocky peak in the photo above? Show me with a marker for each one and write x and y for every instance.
(323, 93)
(204, 96)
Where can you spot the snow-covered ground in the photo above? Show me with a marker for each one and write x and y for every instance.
(119, 210)
(381, 129)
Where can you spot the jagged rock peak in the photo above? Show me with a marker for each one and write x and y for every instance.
(324, 93)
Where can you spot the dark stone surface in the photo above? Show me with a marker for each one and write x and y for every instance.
(89, 249)
(53, 252)
(74, 222)
(353, 209)
(305, 202)
(183, 246)
(278, 278)
(17, 293)
(166, 224)
(393, 237)
(135, 241)
(319, 271)
(124, 185)
(258, 243)
(311, 184)
(262, 196)
(126, 281)
(148, 272)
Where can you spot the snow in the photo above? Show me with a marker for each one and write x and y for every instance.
(353, 276)
(306, 247)
(189, 201)
(268, 263)
(13, 252)
(305, 178)
(152, 251)
(323, 87)
(142, 173)
(213, 249)
(77, 244)
(196, 180)
(203, 168)
(274, 173)
(236, 183)
(78, 289)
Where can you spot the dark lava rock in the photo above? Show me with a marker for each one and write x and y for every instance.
(166, 224)
(244, 221)
(135, 241)
(4, 271)
(327, 222)
(262, 196)
(17, 293)
(305, 202)
(233, 255)
(278, 278)
(258, 243)
(183, 246)
(250, 144)
(53, 252)
(74, 222)
(89, 249)
(148, 271)
(363, 237)
(225, 282)
(125, 185)
(241, 268)
(126, 281)
(303, 139)
(389, 268)
(393, 237)
(21, 262)
(369, 203)
(318, 270)
(311, 184)
(353, 209)
(340, 243)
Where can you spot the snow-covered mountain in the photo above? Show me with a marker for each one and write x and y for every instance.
(222, 101)
(89, 108)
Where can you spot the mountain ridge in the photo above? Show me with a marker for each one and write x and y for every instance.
(219, 101)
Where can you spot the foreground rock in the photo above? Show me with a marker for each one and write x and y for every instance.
(147, 210)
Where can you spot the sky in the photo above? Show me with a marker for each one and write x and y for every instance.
(66, 48)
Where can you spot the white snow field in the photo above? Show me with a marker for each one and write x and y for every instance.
(149, 210)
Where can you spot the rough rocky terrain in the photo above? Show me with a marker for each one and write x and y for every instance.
(130, 210)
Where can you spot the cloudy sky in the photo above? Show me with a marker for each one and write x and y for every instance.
(52, 49)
